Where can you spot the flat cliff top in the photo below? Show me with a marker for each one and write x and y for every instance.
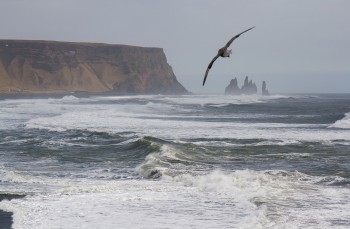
(49, 42)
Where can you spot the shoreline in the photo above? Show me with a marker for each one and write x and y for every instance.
(29, 95)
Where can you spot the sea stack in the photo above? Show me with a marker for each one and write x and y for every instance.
(264, 90)
(232, 88)
(249, 88)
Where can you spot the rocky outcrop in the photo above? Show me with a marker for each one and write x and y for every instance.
(233, 88)
(248, 88)
(264, 90)
(59, 67)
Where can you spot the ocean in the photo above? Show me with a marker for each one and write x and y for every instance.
(191, 161)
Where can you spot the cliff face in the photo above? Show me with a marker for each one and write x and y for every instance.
(48, 66)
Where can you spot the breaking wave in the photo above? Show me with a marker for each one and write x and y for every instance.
(343, 123)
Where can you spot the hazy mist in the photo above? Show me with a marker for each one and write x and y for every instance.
(297, 46)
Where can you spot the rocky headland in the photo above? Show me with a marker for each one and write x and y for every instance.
(63, 67)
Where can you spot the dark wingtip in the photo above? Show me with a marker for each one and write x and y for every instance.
(251, 28)
(205, 77)
(247, 30)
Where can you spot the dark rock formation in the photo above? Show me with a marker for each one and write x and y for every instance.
(249, 88)
(60, 67)
(264, 90)
(233, 88)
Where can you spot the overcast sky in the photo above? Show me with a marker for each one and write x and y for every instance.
(298, 46)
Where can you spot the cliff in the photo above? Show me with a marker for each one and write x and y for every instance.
(59, 67)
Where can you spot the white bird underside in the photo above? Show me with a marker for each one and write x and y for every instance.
(227, 53)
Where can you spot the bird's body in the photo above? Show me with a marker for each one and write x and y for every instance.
(223, 52)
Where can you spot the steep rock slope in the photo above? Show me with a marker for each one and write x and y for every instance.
(55, 67)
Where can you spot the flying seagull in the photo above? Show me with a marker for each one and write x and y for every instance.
(223, 52)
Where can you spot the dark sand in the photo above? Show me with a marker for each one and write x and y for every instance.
(6, 217)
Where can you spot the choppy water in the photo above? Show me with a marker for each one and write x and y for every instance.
(196, 161)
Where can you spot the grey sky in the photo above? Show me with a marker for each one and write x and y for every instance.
(297, 45)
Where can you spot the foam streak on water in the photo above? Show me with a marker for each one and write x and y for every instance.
(198, 161)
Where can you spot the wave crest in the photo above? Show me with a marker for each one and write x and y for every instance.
(343, 123)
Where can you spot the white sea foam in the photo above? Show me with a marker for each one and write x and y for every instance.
(222, 100)
(343, 123)
(117, 121)
(70, 98)
(255, 199)
(181, 198)
(167, 120)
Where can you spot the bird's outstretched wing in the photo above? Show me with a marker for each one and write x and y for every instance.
(209, 67)
(224, 48)
(233, 38)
